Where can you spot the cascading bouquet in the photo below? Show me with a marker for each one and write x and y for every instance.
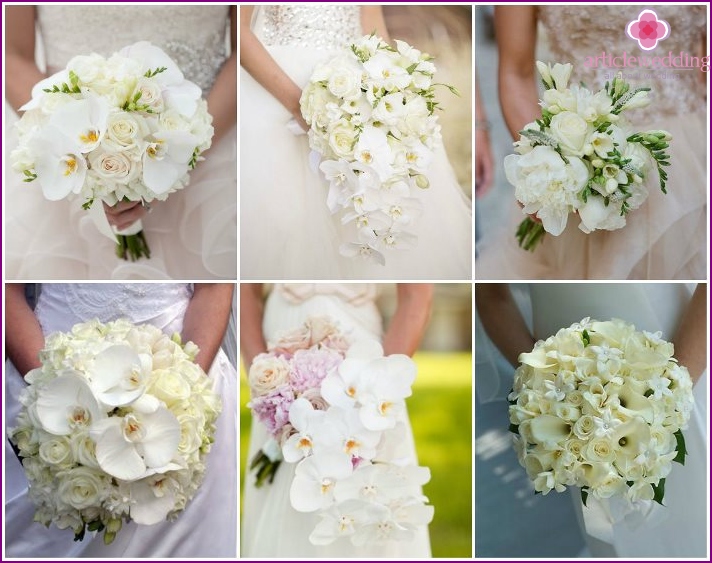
(115, 426)
(126, 128)
(601, 406)
(371, 117)
(333, 409)
(581, 157)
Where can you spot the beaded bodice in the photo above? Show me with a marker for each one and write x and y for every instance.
(315, 25)
(193, 36)
(578, 33)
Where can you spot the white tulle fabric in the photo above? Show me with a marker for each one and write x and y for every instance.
(270, 526)
(287, 230)
(664, 239)
(193, 235)
(680, 528)
(208, 527)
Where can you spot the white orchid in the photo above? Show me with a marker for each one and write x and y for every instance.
(67, 403)
(315, 478)
(305, 420)
(119, 375)
(166, 159)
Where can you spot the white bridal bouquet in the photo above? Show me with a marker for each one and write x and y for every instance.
(333, 409)
(116, 425)
(581, 157)
(126, 128)
(371, 117)
(601, 406)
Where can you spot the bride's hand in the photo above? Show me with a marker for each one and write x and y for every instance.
(125, 213)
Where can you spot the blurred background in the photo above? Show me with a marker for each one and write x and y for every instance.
(440, 411)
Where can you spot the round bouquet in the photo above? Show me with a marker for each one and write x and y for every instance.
(582, 157)
(371, 112)
(333, 409)
(115, 426)
(601, 406)
(126, 128)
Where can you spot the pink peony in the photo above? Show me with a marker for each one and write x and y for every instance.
(310, 367)
(272, 409)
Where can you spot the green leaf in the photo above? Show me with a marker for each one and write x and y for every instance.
(681, 448)
(155, 71)
(514, 428)
(659, 491)
(584, 495)
(585, 337)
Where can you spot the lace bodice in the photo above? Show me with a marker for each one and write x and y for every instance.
(161, 304)
(193, 36)
(314, 25)
(579, 32)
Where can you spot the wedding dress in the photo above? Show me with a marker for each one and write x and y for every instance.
(666, 238)
(284, 214)
(192, 235)
(208, 526)
(270, 526)
(679, 529)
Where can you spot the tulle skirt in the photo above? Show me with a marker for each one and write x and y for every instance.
(666, 238)
(192, 235)
(287, 230)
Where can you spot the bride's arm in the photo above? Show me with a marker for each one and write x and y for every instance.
(372, 21)
(20, 67)
(502, 320)
(206, 319)
(252, 341)
(222, 98)
(515, 27)
(24, 338)
(255, 59)
(408, 324)
(691, 336)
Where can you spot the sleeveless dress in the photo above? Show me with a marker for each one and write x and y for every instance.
(666, 238)
(270, 526)
(287, 229)
(208, 526)
(679, 529)
(193, 235)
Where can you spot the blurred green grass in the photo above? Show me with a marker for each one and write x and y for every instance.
(441, 415)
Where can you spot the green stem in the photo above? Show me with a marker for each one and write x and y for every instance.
(132, 247)
(530, 233)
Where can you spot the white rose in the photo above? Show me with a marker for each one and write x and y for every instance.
(342, 138)
(267, 373)
(114, 166)
(191, 438)
(345, 82)
(612, 484)
(313, 102)
(169, 386)
(57, 451)
(571, 130)
(124, 131)
(151, 95)
(84, 450)
(87, 67)
(556, 101)
(600, 450)
(81, 487)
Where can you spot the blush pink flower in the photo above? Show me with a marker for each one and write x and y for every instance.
(310, 367)
(648, 30)
(272, 409)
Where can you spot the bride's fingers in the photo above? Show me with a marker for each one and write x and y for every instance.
(124, 214)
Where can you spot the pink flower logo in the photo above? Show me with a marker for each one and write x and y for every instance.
(647, 30)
